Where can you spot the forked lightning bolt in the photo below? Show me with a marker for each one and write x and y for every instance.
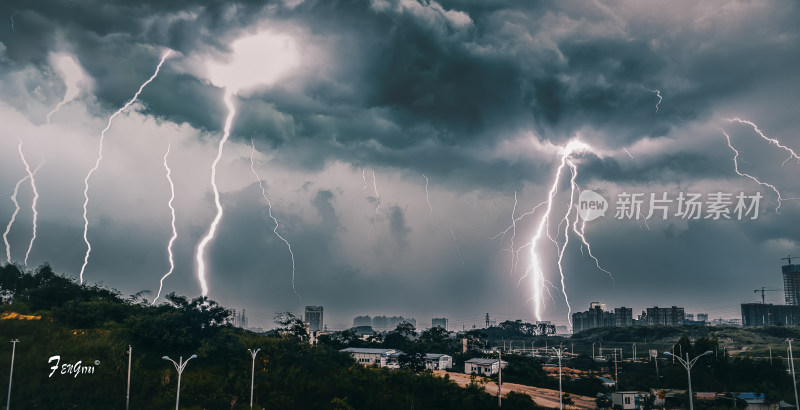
(212, 229)
(772, 141)
(275, 220)
(100, 159)
(35, 212)
(744, 174)
(538, 281)
(174, 230)
(16, 211)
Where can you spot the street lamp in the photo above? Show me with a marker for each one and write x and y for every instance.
(179, 367)
(687, 364)
(559, 353)
(10, 375)
(252, 373)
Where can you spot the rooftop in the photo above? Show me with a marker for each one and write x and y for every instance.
(483, 362)
(367, 350)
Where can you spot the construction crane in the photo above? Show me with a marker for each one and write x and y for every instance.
(762, 290)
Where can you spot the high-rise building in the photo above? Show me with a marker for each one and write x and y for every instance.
(623, 316)
(439, 321)
(767, 314)
(671, 316)
(314, 318)
(702, 317)
(791, 283)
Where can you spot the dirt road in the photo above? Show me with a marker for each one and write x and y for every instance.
(543, 397)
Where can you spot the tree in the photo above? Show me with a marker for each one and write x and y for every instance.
(567, 399)
(289, 324)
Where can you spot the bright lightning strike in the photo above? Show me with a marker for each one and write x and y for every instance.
(627, 152)
(772, 141)
(744, 174)
(377, 195)
(538, 281)
(32, 178)
(658, 94)
(100, 159)
(174, 230)
(16, 211)
(275, 220)
(428, 196)
(212, 229)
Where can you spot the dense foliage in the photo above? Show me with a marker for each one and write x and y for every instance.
(92, 324)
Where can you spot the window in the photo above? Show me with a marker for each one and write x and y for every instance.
(627, 400)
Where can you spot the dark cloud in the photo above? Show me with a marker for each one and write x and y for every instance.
(475, 95)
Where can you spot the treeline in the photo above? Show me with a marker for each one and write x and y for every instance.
(92, 326)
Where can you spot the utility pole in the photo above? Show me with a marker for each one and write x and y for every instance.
(616, 373)
(559, 353)
(633, 358)
(252, 373)
(11, 375)
(687, 364)
(128, 396)
(499, 378)
(592, 351)
(791, 361)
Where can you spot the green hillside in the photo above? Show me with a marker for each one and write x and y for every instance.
(94, 326)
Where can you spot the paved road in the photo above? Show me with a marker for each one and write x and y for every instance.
(543, 397)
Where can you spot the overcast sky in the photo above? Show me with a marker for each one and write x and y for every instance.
(392, 137)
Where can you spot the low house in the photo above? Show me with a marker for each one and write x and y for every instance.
(369, 356)
(393, 360)
(438, 361)
(627, 400)
(483, 367)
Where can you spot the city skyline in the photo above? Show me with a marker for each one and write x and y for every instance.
(383, 157)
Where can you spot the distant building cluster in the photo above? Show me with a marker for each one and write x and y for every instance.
(599, 316)
(768, 314)
(382, 322)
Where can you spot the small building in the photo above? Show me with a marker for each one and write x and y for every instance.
(438, 361)
(483, 367)
(627, 400)
(607, 382)
(369, 356)
(756, 401)
(393, 360)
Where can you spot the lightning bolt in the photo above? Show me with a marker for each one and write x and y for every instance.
(174, 230)
(538, 281)
(772, 141)
(377, 195)
(212, 229)
(744, 174)
(33, 202)
(275, 220)
(16, 211)
(627, 152)
(658, 94)
(12, 22)
(458, 250)
(364, 177)
(428, 196)
(100, 159)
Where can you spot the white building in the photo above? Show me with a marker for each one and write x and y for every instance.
(627, 400)
(483, 367)
(438, 361)
(373, 357)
